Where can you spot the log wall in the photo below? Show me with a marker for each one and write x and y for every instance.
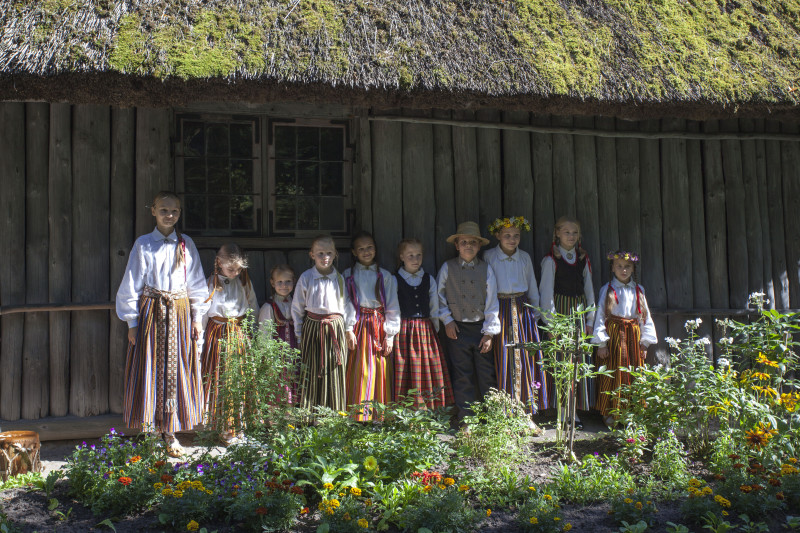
(713, 219)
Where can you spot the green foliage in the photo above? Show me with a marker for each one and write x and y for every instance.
(593, 479)
(440, 509)
(541, 513)
(670, 462)
(634, 507)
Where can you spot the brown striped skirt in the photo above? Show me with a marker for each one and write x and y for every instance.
(218, 330)
(623, 351)
(323, 353)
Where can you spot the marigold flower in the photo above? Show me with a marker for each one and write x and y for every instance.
(158, 486)
(734, 456)
(346, 517)
(774, 482)
(722, 501)
(159, 464)
(177, 494)
(638, 505)
(166, 492)
(355, 491)
(556, 518)
(448, 481)
(779, 496)
(442, 486)
(304, 510)
(724, 512)
(631, 490)
(534, 520)
(296, 490)
(706, 490)
(427, 488)
(166, 478)
(488, 512)
(327, 486)
(463, 488)
(747, 489)
(547, 497)
(628, 500)
(792, 460)
(125, 480)
(368, 502)
(567, 527)
(737, 465)
(694, 482)
(192, 526)
(363, 523)
(532, 489)
(135, 459)
(261, 511)
(370, 463)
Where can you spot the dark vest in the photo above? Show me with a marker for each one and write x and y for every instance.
(569, 278)
(465, 290)
(414, 302)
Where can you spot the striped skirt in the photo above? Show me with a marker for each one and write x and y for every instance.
(419, 365)
(218, 331)
(323, 355)
(623, 351)
(369, 369)
(163, 384)
(586, 393)
(518, 373)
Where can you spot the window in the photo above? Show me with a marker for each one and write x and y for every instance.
(222, 168)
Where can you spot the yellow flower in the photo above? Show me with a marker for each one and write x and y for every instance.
(628, 500)
(532, 489)
(342, 413)
(355, 491)
(427, 488)
(363, 522)
(547, 497)
(631, 490)
(449, 481)
(368, 502)
(534, 520)
(158, 486)
(178, 494)
(567, 527)
(370, 463)
(346, 517)
(694, 482)
(442, 486)
(192, 526)
(488, 512)
(341, 494)
(290, 426)
(761, 376)
(166, 492)
(764, 361)
(463, 488)
(638, 505)
(722, 501)
(790, 401)
(792, 460)
(327, 486)
(197, 484)
(724, 512)
(556, 518)
(334, 503)
(706, 490)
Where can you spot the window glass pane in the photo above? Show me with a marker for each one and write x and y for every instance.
(308, 143)
(194, 175)
(332, 213)
(308, 213)
(332, 178)
(242, 176)
(218, 210)
(194, 212)
(284, 213)
(241, 140)
(193, 138)
(331, 143)
(218, 175)
(284, 142)
(308, 178)
(217, 137)
(242, 212)
(285, 177)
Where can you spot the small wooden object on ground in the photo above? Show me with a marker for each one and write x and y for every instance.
(19, 453)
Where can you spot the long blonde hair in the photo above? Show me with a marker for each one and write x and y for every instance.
(230, 254)
(180, 256)
(554, 251)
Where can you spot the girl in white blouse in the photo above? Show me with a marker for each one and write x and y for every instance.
(162, 297)
(623, 330)
(232, 297)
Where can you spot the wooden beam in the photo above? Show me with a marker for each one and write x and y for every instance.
(364, 165)
(563, 170)
(586, 195)
(543, 215)
(716, 235)
(70, 427)
(607, 193)
(387, 190)
(465, 177)
(738, 265)
(519, 194)
(790, 165)
(419, 203)
(443, 189)
(154, 164)
(776, 219)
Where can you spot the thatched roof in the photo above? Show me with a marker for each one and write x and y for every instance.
(689, 56)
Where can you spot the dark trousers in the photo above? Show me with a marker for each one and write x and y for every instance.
(472, 373)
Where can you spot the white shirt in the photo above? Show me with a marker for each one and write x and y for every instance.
(231, 299)
(514, 274)
(152, 263)
(415, 280)
(365, 280)
(625, 308)
(322, 294)
(491, 309)
(284, 304)
(548, 279)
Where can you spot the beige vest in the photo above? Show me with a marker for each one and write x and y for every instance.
(465, 290)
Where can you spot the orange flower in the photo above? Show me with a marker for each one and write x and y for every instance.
(159, 464)
(136, 458)
(125, 481)
(746, 489)
(261, 511)
(259, 494)
(304, 510)
(779, 496)
(166, 478)
(296, 490)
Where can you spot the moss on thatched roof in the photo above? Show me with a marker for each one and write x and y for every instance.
(717, 52)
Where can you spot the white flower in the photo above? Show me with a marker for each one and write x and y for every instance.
(726, 340)
(723, 363)
(693, 324)
(703, 340)
(672, 342)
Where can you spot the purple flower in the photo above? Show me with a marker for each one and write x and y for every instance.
(112, 431)
(105, 476)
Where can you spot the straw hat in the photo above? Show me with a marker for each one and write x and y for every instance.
(469, 229)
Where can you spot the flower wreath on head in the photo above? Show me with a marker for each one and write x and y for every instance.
(513, 222)
(628, 256)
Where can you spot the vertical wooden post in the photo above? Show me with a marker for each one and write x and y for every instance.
(419, 204)
(543, 215)
(12, 241)
(91, 165)
(752, 211)
(738, 265)
(518, 183)
(790, 165)
(716, 235)
(444, 188)
(629, 205)
(586, 194)
(364, 158)
(35, 357)
(776, 222)
(154, 166)
(607, 193)
(490, 185)
(60, 253)
(763, 209)
(387, 190)
(121, 237)
(465, 176)
(563, 169)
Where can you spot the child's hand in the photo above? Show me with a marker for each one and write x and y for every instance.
(486, 343)
(389, 345)
(351, 340)
(451, 330)
(132, 335)
(643, 348)
(197, 330)
(602, 352)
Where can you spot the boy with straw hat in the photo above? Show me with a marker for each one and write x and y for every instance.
(469, 310)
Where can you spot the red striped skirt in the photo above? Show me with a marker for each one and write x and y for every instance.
(369, 370)
(218, 331)
(623, 351)
(419, 365)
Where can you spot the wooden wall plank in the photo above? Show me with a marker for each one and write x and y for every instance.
(677, 225)
(300, 261)
(444, 189)
(776, 221)
(651, 268)
(763, 208)
(207, 257)
(255, 270)
(716, 236)
(60, 253)
(738, 267)
(586, 195)
(35, 356)
(91, 166)
(490, 186)
(544, 216)
(121, 237)
(465, 165)
(790, 166)
(752, 211)
(154, 164)
(345, 260)
(607, 194)
(563, 170)
(518, 178)
(364, 158)
(629, 204)
(12, 241)
(419, 203)
(387, 187)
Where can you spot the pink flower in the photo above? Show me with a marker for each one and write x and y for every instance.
(631, 440)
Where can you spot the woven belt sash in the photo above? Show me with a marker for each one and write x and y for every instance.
(378, 334)
(223, 320)
(326, 322)
(166, 348)
(507, 295)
